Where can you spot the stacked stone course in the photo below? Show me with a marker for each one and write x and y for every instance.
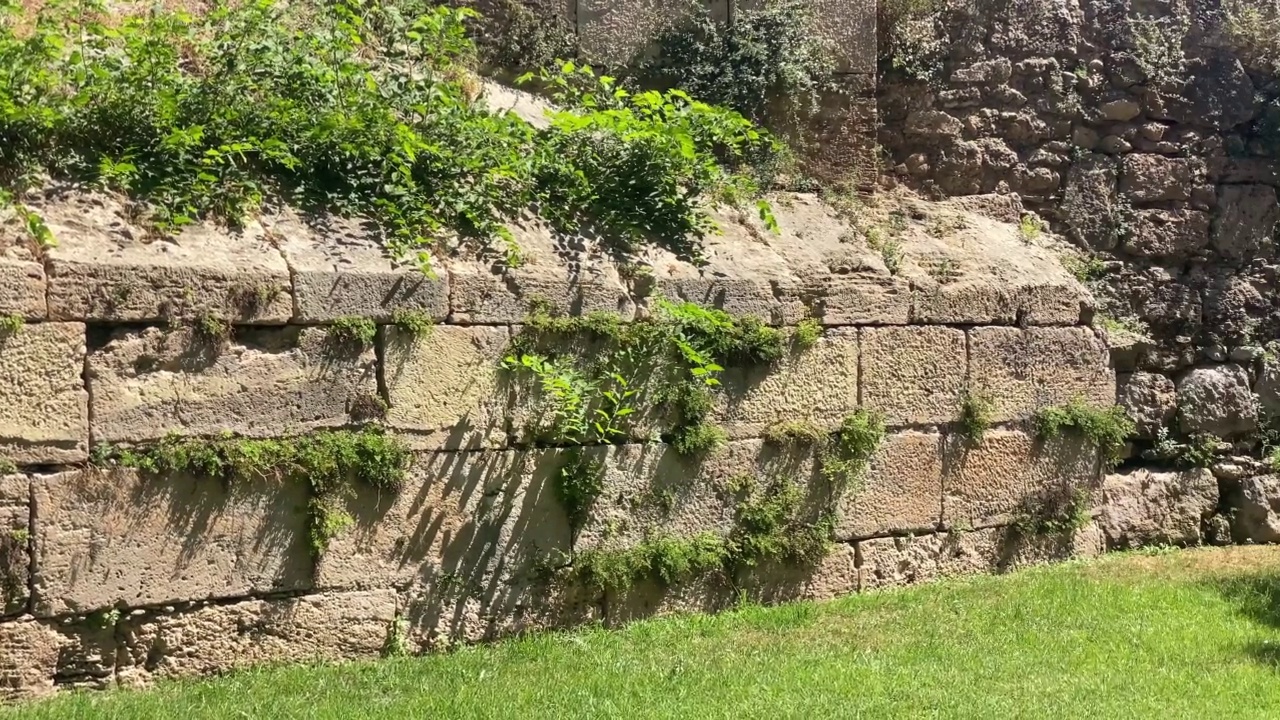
(112, 575)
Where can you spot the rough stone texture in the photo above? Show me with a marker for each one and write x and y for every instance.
(44, 408)
(1090, 202)
(1008, 473)
(1257, 505)
(1168, 233)
(1246, 222)
(341, 270)
(15, 543)
(22, 278)
(117, 538)
(1268, 387)
(571, 274)
(902, 490)
(215, 638)
(1217, 400)
(106, 268)
(28, 659)
(264, 382)
(846, 27)
(621, 32)
(1023, 370)
(1150, 399)
(818, 385)
(1142, 507)
(1155, 178)
(913, 375)
(446, 388)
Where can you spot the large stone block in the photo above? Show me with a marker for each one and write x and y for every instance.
(107, 268)
(819, 385)
(121, 539)
(28, 659)
(1217, 400)
(447, 388)
(1023, 370)
(571, 274)
(216, 638)
(15, 543)
(913, 375)
(44, 409)
(1009, 474)
(1156, 178)
(1245, 226)
(620, 32)
(901, 492)
(263, 382)
(22, 279)
(1150, 508)
(341, 269)
(1150, 399)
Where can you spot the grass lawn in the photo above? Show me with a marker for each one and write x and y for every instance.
(1168, 635)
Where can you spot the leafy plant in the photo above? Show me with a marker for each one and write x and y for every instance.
(330, 463)
(696, 440)
(211, 329)
(661, 558)
(1108, 428)
(11, 325)
(1053, 512)
(578, 483)
(362, 109)
(808, 332)
(851, 448)
(913, 40)
(795, 432)
(1030, 228)
(976, 411)
(1253, 29)
(7, 467)
(414, 323)
(351, 334)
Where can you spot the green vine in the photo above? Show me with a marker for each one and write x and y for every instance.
(365, 109)
(330, 462)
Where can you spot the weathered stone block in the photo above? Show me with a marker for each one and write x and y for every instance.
(104, 269)
(913, 375)
(15, 543)
(1168, 233)
(1245, 225)
(1009, 473)
(216, 638)
(44, 409)
(1156, 178)
(22, 283)
(1217, 400)
(901, 492)
(1023, 370)
(1150, 508)
(341, 269)
(447, 388)
(570, 274)
(1255, 502)
(819, 385)
(118, 538)
(264, 382)
(28, 659)
(1150, 400)
(619, 33)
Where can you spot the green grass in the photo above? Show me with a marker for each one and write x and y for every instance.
(1161, 635)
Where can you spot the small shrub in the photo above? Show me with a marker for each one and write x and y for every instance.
(326, 521)
(1157, 48)
(1201, 451)
(7, 467)
(913, 39)
(578, 483)
(1273, 459)
(1030, 228)
(396, 643)
(1085, 267)
(848, 452)
(414, 323)
(1253, 29)
(808, 332)
(11, 325)
(665, 559)
(1108, 429)
(351, 334)
(210, 329)
(698, 440)
(795, 432)
(976, 411)
(1054, 512)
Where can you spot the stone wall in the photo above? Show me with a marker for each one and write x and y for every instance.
(1143, 134)
(118, 575)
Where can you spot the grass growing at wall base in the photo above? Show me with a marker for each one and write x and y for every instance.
(1164, 635)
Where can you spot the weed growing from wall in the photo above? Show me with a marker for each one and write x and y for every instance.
(795, 433)
(1108, 428)
(413, 323)
(1157, 49)
(330, 462)
(578, 483)
(1253, 30)
(6, 466)
(11, 325)
(1059, 511)
(912, 38)
(356, 108)
(351, 335)
(808, 332)
(846, 456)
(976, 411)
